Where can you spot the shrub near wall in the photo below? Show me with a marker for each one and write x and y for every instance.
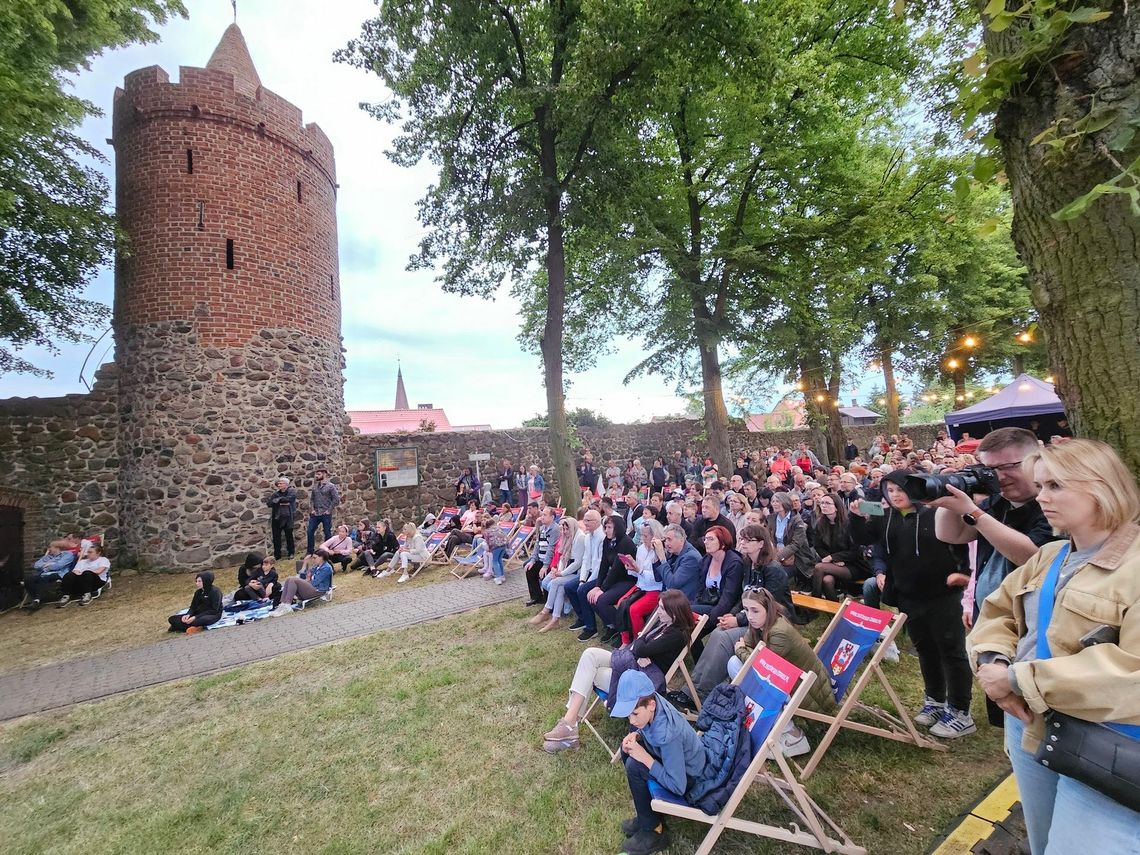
(442, 457)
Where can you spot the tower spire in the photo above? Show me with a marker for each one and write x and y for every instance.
(232, 55)
(401, 395)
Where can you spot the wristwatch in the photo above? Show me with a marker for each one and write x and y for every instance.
(972, 518)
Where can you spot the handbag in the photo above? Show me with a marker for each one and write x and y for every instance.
(1104, 756)
(1094, 754)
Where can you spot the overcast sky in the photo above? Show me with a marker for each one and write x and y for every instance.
(446, 343)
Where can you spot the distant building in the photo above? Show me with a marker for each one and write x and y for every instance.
(789, 413)
(424, 418)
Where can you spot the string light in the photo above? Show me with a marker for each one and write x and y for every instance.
(970, 395)
(1049, 379)
(952, 363)
(799, 385)
(882, 402)
(819, 399)
(1025, 338)
(969, 341)
(960, 398)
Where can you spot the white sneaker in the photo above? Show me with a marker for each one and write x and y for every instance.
(282, 610)
(793, 746)
(931, 712)
(488, 575)
(499, 580)
(384, 574)
(891, 654)
(404, 578)
(954, 723)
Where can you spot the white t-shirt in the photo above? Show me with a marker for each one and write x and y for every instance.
(99, 565)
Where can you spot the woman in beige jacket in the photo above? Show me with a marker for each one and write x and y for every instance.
(1091, 670)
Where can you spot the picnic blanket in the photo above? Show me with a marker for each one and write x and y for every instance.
(241, 612)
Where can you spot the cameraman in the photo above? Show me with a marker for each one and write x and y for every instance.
(1009, 527)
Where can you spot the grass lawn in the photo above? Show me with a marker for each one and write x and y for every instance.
(134, 613)
(425, 740)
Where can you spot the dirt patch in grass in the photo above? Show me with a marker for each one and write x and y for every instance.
(426, 740)
(134, 613)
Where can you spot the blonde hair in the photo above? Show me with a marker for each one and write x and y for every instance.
(1093, 468)
(409, 529)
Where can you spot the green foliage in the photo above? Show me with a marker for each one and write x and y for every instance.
(55, 230)
(581, 417)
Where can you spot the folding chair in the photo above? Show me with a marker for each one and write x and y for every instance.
(774, 689)
(326, 597)
(434, 546)
(517, 545)
(600, 695)
(469, 563)
(842, 648)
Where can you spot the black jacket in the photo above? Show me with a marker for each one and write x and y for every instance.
(731, 584)
(379, 544)
(283, 505)
(662, 646)
(612, 571)
(702, 525)
(836, 541)
(775, 578)
(917, 561)
(207, 601)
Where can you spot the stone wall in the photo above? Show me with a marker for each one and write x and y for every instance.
(59, 464)
(442, 457)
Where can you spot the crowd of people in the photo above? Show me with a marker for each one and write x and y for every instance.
(1038, 561)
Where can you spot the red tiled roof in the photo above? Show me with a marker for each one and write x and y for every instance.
(391, 421)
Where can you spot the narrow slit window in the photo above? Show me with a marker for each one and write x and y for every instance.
(298, 191)
(189, 161)
(229, 254)
(332, 288)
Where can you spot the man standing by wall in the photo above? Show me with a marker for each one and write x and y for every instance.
(282, 514)
(323, 499)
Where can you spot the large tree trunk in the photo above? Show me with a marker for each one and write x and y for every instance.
(836, 435)
(552, 331)
(1085, 272)
(959, 378)
(716, 414)
(886, 360)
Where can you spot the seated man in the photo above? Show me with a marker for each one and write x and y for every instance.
(664, 747)
(46, 573)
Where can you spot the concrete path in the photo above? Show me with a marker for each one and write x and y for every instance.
(94, 677)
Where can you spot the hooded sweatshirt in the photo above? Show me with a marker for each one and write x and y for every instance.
(612, 571)
(679, 756)
(207, 599)
(917, 561)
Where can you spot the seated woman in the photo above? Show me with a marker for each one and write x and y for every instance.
(414, 551)
(842, 558)
(205, 607)
(339, 547)
(314, 581)
(723, 573)
(90, 573)
(790, 534)
(767, 623)
(640, 601)
(653, 652)
(252, 562)
(736, 510)
(463, 531)
(553, 579)
(379, 548)
(260, 582)
(614, 580)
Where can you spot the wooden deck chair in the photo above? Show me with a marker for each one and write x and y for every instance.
(434, 545)
(774, 690)
(843, 647)
(600, 695)
(470, 563)
(517, 546)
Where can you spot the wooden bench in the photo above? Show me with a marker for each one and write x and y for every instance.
(817, 604)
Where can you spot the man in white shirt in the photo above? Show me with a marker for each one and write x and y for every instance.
(588, 570)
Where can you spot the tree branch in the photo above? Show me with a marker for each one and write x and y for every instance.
(516, 36)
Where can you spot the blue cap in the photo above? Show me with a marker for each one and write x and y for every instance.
(632, 687)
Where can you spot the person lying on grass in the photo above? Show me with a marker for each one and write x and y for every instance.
(205, 607)
(663, 747)
(767, 623)
(315, 581)
(652, 652)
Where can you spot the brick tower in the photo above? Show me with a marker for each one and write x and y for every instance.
(227, 307)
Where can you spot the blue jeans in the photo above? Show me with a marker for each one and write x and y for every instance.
(872, 596)
(506, 496)
(314, 521)
(1062, 815)
(582, 607)
(497, 561)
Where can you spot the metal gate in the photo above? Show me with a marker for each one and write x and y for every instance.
(11, 555)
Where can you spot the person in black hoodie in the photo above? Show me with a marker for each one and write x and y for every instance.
(918, 567)
(614, 580)
(260, 582)
(205, 608)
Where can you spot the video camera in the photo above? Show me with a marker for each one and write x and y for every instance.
(970, 480)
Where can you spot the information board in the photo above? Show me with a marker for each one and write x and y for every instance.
(396, 467)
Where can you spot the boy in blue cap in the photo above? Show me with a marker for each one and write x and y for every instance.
(662, 746)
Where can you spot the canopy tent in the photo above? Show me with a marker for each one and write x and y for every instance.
(1022, 402)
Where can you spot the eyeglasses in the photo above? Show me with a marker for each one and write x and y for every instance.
(1007, 467)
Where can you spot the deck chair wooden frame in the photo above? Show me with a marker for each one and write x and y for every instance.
(434, 545)
(819, 831)
(467, 564)
(677, 666)
(519, 555)
(896, 724)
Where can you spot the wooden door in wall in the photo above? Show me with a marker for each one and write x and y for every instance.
(11, 555)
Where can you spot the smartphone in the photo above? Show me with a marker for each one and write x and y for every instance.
(1103, 634)
(870, 509)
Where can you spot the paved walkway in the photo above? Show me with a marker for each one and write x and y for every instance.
(95, 677)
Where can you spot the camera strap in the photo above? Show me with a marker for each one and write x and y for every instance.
(1047, 597)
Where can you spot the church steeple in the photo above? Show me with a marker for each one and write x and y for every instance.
(232, 55)
(401, 395)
